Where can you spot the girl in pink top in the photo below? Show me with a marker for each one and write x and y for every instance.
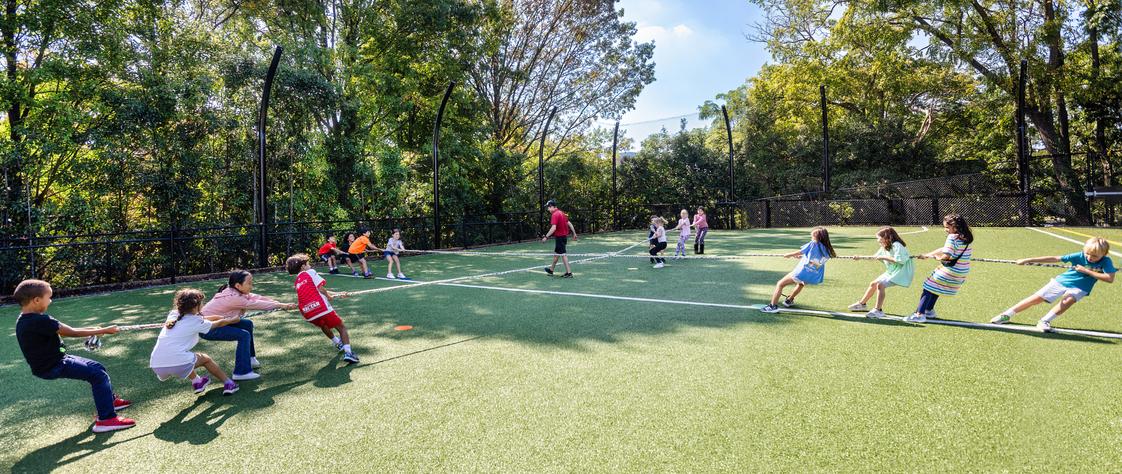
(234, 299)
(702, 227)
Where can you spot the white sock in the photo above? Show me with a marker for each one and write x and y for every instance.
(1049, 317)
(1009, 312)
(197, 379)
(336, 340)
(346, 348)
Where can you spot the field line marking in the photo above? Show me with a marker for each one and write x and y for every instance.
(1069, 239)
(1083, 235)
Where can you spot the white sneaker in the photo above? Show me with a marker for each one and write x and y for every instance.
(253, 363)
(858, 307)
(770, 308)
(247, 376)
(389, 276)
(932, 315)
(1044, 326)
(1001, 319)
(875, 314)
(659, 265)
(401, 276)
(916, 318)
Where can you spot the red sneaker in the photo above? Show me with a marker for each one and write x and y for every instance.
(113, 424)
(120, 403)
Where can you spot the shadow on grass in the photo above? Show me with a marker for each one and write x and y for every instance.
(199, 423)
(72, 449)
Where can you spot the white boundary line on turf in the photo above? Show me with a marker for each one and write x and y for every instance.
(925, 229)
(1069, 239)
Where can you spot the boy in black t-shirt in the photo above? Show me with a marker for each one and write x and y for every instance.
(39, 339)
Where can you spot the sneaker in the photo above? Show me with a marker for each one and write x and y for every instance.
(389, 276)
(113, 424)
(229, 387)
(339, 346)
(120, 403)
(787, 303)
(247, 376)
(916, 318)
(858, 307)
(874, 314)
(932, 315)
(1044, 326)
(200, 385)
(253, 363)
(368, 276)
(1001, 319)
(334, 271)
(660, 265)
(567, 275)
(770, 308)
(354, 274)
(401, 276)
(350, 357)
(549, 270)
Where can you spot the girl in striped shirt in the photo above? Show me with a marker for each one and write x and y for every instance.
(948, 278)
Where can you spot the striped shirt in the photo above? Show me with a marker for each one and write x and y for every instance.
(946, 281)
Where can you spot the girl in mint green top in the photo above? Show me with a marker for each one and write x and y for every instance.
(899, 270)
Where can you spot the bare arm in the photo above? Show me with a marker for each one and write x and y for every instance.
(797, 253)
(552, 229)
(573, 230)
(1039, 260)
(1100, 276)
(67, 331)
(217, 323)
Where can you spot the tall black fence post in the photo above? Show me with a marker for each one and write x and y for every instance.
(262, 193)
(1022, 145)
(825, 142)
(615, 191)
(541, 173)
(730, 196)
(436, 167)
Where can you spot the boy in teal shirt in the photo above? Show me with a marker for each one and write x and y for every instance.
(1088, 267)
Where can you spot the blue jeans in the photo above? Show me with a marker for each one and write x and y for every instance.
(242, 332)
(79, 368)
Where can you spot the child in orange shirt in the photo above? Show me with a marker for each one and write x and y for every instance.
(357, 252)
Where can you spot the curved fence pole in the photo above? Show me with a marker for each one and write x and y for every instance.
(436, 166)
(730, 196)
(541, 173)
(262, 193)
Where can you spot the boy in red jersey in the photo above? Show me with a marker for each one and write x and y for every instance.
(315, 304)
(328, 252)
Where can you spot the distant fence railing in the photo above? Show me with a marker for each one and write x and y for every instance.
(85, 262)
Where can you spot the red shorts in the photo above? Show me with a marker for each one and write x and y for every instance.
(328, 321)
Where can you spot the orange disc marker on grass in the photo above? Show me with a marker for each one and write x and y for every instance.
(403, 328)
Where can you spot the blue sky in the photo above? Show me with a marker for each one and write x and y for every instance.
(700, 51)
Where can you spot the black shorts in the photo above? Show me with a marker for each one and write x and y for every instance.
(353, 257)
(325, 257)
(559, 245)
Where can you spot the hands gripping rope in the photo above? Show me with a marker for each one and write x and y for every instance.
(93, 343)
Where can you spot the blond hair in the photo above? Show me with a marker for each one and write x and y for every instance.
(1097, 245)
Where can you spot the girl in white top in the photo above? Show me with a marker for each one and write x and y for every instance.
(172, 356)
(660, 241)
(393, 248)
(683, 229)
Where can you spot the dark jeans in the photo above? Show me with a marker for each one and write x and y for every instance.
(701, 233)
(242, 332)
(926, 302)
(658, 248)
(79, 368)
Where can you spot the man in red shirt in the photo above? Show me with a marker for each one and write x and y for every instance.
(559, 229)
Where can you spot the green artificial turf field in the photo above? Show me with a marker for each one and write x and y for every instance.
(493, 380)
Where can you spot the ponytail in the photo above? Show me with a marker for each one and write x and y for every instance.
(186, 301)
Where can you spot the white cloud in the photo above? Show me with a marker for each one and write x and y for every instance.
(662, 35)
(682, 31)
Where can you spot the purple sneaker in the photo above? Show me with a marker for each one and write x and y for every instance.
(200, 385)
(229, 387)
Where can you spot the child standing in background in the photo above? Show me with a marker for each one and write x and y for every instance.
(948, 278)
(659, 239)
(702, 230)
(683, 229)
(392, 253)
(899, 270)
(811, 269)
